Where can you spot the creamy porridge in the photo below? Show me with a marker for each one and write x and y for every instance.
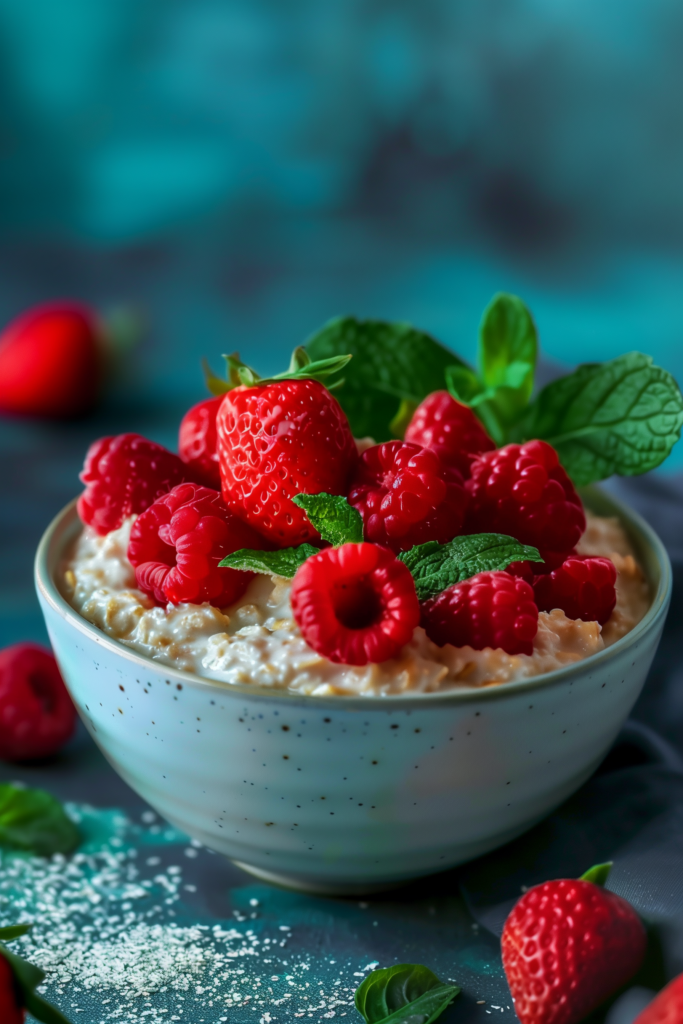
(258, 641)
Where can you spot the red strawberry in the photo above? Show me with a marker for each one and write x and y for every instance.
(198, 441)
(10, 1009)
(667, 1007)
(279, 438)
(567, 946)
(51, 361)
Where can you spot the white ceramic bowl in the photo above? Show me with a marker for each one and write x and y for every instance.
(350, 794)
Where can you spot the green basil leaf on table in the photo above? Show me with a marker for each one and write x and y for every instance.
(284, 562)
(392, 362)
(336, 521)
(403, 994)
(435, 567)
(623, 416)
(32, 820)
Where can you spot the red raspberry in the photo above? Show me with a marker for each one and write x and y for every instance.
(11, 1011)
(491, 609)
(123, 476)
(36, 713)
(355, 604)
(407, 495)
(278, 440)
(198, 441)
(583, 587)
(177, 543)
(523, 491)
(450, 428)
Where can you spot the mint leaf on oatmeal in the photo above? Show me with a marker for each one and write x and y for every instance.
(392, 363)
(32, 820)
(623, 416)
(435, 567)
(272, 563)
(331, 515)
(403, 994)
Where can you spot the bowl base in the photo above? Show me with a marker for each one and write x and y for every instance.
(318, 886)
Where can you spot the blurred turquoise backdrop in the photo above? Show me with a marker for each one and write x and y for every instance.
(243, 171)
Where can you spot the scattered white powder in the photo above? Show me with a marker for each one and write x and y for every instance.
(104, 933)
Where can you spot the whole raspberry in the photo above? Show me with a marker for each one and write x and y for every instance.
(523, 491)
(355, 604)
(583, 587)
(123, 476)
(406, 495)
(176, 545)
(450, 428)
(491, 609)
(36, 713)
(198, 441)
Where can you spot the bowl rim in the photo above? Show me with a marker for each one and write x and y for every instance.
(61, 530)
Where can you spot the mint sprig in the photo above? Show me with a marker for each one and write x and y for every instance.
(32, 820)
(435, 567)
(336, 521)
(27, 978)
(393, 363)
(403, 994)
(623, 416)
(284, 562)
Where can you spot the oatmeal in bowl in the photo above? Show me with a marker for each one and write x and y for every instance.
(346, 663)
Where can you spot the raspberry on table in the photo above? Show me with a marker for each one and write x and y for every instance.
(123, 476)
(198, 441)
(36, 713)
(450, 428)
(176, 545)
(523, 491)
(406, 496)
(584, 587)
(491, 609)
(355, 604)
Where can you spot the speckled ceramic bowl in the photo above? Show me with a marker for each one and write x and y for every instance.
(342, 794)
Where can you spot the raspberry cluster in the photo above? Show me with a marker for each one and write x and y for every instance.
(267, 442)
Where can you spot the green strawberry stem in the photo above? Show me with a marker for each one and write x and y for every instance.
(301, 367)
(598, 874)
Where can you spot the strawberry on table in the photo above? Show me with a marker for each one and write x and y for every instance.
(11, 1011)
(280, 437)
(198, 441)
(567, 946)
(51, 361)
(667, 1007)
(449, 428)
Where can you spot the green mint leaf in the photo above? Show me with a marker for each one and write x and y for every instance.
(14, 931)
(403, 994)
(27, 977)
(623, 416)
(331, 515)
(391, 362)
(272, 563)
(463, 384)
(598, 874)
(435, 567)
(508, 347)
(31, 819)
